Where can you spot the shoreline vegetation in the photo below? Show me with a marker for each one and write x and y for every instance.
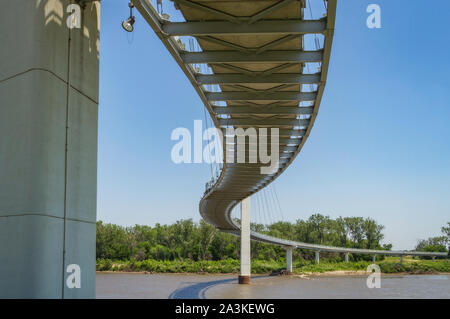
(391, 265)
(197, 248)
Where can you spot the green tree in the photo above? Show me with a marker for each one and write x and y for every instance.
(354, 226)
(112, 242)
(201, 241)
(373, 233)
(446, 232)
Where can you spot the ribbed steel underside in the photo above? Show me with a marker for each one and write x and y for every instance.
(256, 51)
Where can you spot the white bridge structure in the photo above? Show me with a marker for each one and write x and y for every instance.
(264, 76)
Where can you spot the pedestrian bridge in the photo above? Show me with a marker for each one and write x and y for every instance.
(266, 66)
(258, 64)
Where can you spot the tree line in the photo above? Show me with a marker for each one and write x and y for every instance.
(186, 239)
(439, 243)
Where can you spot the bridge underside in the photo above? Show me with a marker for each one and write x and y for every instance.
(261, 75)
(267, 67)
(264, 77)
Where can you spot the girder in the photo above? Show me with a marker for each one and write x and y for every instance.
(214, 28)
(260, 96)
(291, 56)
(257, 78)
(271, 122)
(257, 110)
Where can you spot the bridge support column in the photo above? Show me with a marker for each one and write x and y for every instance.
(374, 258)
(317, 256)
(289, 259)
(48, 149)
(244, 277)
(346, 257)
(433, 257)
(401, 259)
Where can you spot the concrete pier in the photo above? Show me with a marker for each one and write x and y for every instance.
(48, 149)
(346, 257)
(244, 277)
(317, 256)
(289, 259)
(374, 258)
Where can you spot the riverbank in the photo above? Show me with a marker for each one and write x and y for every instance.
(231, 266)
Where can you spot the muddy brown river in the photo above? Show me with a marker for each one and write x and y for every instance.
(181, 286)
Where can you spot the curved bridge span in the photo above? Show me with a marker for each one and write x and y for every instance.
(269, 64)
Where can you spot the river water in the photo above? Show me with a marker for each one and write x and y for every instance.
(180, 286)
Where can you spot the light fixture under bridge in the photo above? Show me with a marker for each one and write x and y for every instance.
(127, 25)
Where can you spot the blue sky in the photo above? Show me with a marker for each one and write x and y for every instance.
(380, 146)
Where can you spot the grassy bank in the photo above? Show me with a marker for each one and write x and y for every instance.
(390, 265)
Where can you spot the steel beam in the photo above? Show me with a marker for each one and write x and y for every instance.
(260, 96)
(258, 78)
(211, 28)
(254, 110)
(281, 132)
(271, 122)
(289, 56)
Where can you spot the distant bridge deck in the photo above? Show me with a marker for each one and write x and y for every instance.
(322, 248)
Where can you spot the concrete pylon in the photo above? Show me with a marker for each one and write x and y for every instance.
(289, 259)
(401, 259)
(317, 256)
(346, 257)
(48, 149)
(374, 258)
(244, 277)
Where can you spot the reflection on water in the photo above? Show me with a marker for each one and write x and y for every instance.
(198, 290)
(183, 286)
